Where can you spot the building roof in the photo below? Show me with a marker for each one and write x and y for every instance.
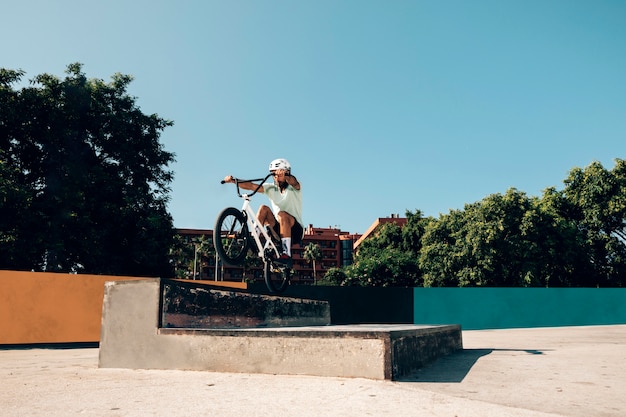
(400, 221)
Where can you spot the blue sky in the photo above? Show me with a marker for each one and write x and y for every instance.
(380, 106)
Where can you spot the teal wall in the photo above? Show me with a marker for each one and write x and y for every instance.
(498, 308)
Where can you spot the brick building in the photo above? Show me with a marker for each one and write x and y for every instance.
(373, 229)
(336, 247)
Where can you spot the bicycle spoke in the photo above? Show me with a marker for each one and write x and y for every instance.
(231, 241)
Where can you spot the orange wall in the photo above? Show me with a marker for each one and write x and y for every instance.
(43, 307)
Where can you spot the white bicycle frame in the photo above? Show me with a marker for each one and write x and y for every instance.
(253, 225)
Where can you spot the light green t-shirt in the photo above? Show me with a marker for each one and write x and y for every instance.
(290, 200)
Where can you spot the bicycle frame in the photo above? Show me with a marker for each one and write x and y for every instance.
(254, 225)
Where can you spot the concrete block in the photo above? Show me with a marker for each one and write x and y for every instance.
(191, 305)
(131, 338)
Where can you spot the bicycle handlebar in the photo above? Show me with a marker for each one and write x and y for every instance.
(237, 181)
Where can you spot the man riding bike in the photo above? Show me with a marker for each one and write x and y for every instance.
(285, 216)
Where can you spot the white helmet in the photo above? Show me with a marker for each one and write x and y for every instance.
(280, 164)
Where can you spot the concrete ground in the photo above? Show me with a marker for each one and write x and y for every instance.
(566, 371)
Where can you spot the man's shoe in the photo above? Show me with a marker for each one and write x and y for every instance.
(284, 260)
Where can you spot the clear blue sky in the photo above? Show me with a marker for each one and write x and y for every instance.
(380, 106)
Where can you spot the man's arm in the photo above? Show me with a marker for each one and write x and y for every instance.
(284, 176)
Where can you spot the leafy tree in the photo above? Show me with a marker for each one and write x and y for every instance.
(413, 231)
(595, 198)
(87, 167)
(560, 249)
(390, 267)
(574, 237)
(389, 258)
(389, 235)
(503, 240)
(206, 252)
(12, 201)
(312, 254)
(334, 277)
(250, 262)
(181, 257)
(440, 258)
(189, 255)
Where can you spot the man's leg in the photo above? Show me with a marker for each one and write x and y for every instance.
(286, 222)
(266, 216)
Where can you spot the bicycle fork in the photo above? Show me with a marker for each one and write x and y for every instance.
(255, 228)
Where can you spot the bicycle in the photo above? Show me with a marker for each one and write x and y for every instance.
(238, 230)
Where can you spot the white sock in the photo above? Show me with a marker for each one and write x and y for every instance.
(286, 245)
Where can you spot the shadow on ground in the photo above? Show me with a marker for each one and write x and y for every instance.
(456, 366)
(51, 346)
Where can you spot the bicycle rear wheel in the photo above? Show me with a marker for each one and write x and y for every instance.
(276, 277)
(230, 236)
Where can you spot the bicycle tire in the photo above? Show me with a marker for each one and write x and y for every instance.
(230, 236)
(276, 277)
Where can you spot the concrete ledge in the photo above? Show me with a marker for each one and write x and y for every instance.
(366, 351)
(194, 305)
(131, 338)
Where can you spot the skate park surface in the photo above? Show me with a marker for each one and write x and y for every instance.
(554, 371)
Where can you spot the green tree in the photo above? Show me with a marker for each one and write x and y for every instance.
(413, 231)
(334, 277)
(206, 253)
(13, 199)
(369, 267)
(312, 254)
(90, 173)
(559, 247)
(440, 258)
(595, 198)
(503, 240)
(250, 262)
(187, 255)
(390, 267)
(574, 237)
(387, 259)
(181, 257)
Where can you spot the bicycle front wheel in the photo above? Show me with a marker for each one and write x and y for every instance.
(230, 236)
(276, 277)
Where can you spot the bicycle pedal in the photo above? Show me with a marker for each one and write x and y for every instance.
(280, 269)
